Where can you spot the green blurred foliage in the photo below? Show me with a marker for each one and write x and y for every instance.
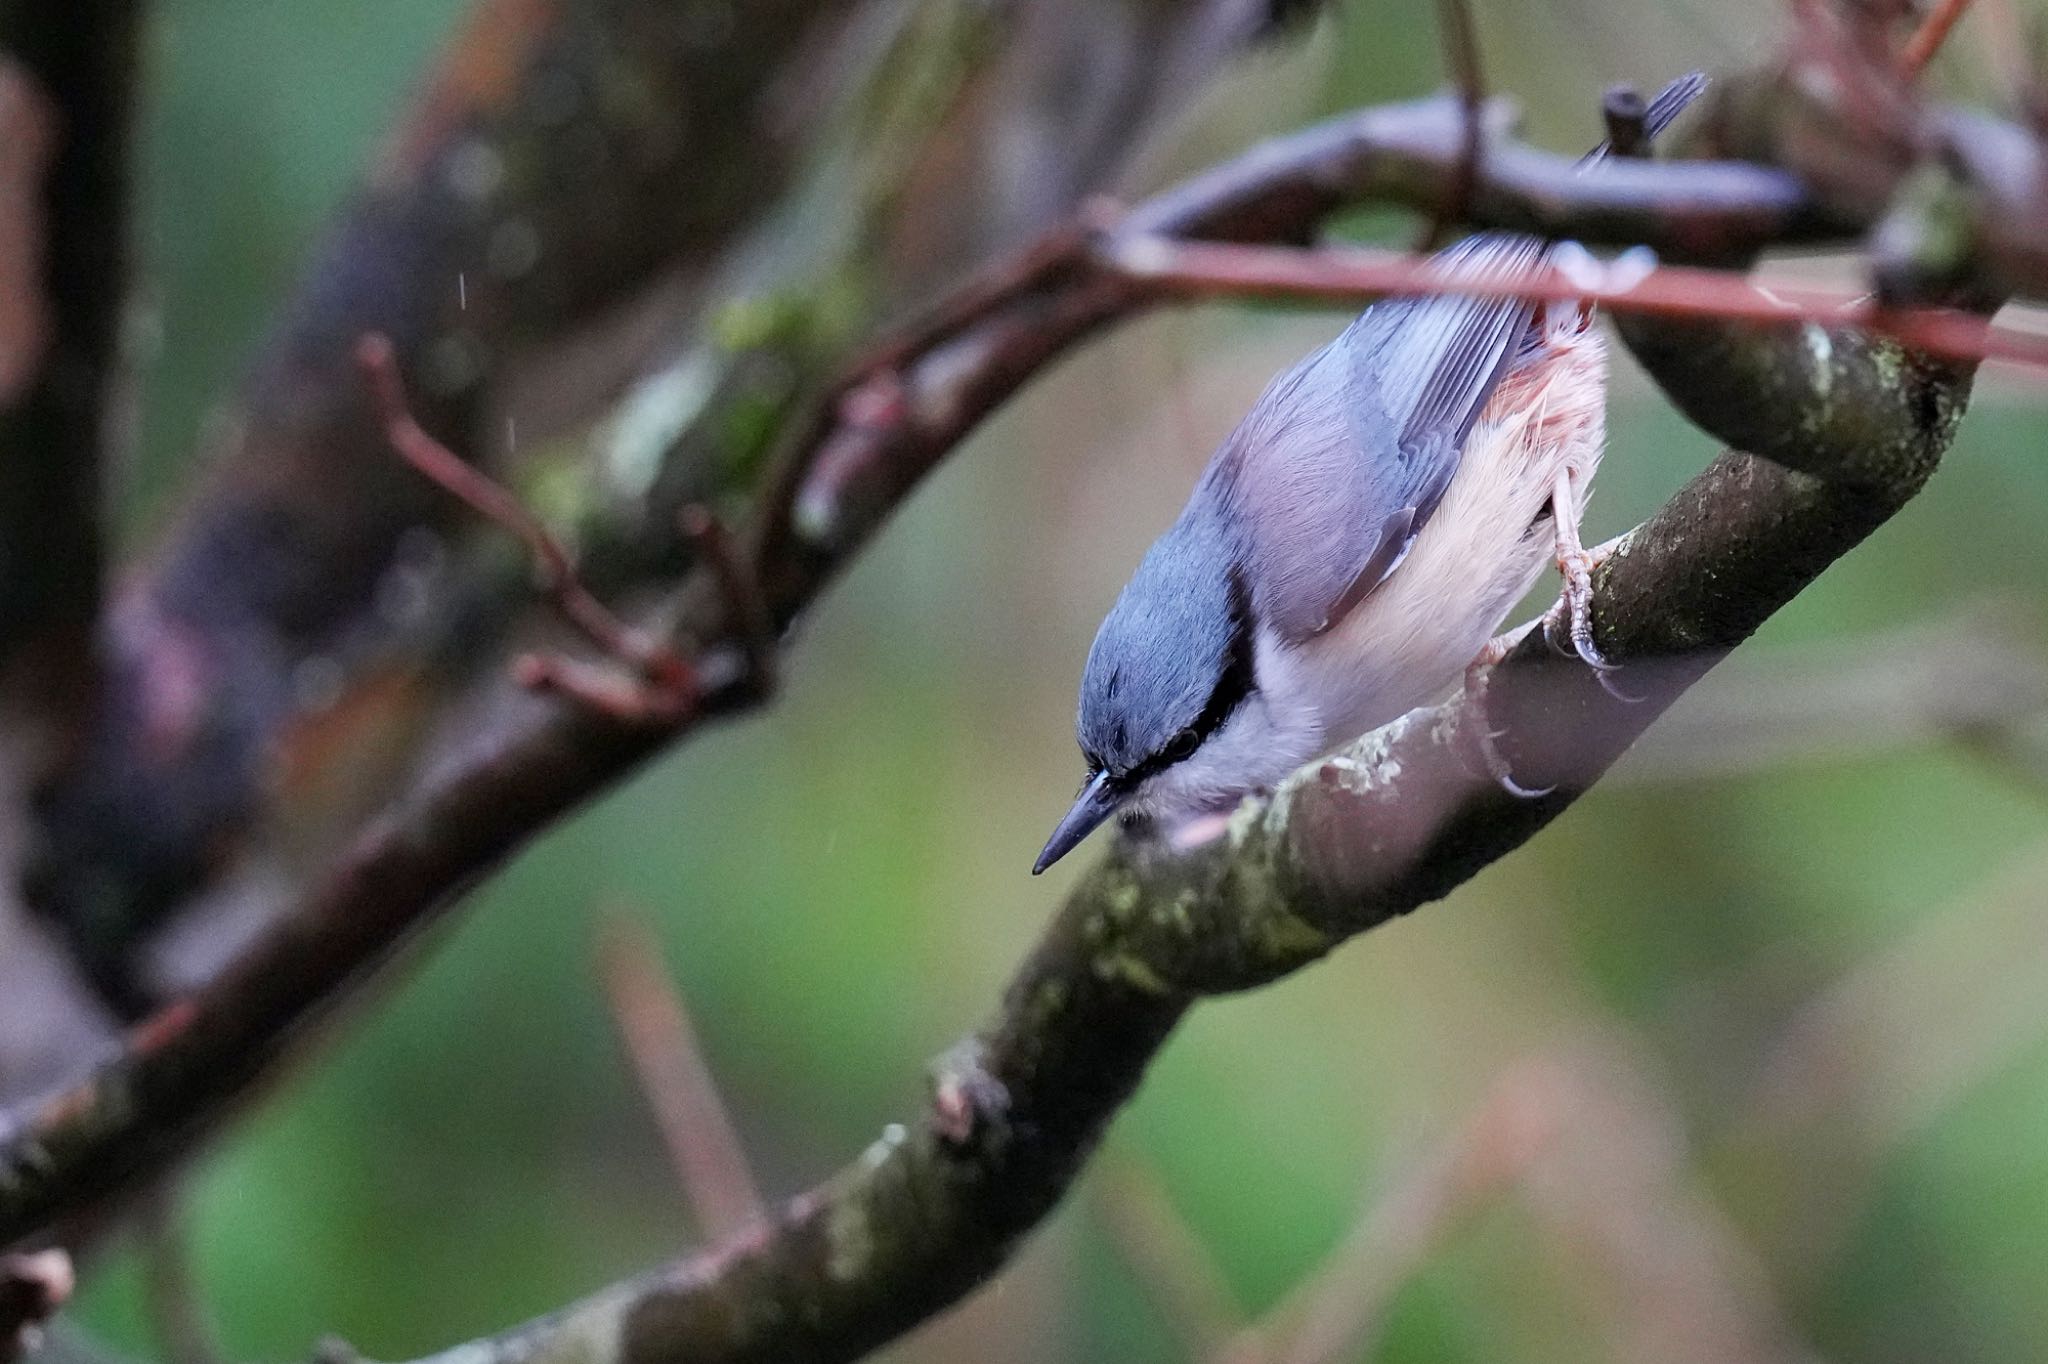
(840, 884)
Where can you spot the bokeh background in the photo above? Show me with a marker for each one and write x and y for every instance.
(1748, 1048)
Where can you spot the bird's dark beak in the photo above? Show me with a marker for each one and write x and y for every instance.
(1098, 801)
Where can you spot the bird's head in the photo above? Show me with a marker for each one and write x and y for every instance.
(1164, 695)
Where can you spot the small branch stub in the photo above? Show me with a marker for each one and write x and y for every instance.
(33, 1285)
(1626, 115)
(969, 1104)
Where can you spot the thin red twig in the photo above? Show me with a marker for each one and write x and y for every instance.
(1074, 280)
(607, 691)
(1928, 38)
(671, 680)
(695, 1124)
(1353, 274)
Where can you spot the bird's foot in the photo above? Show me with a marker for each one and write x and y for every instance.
(1570, 620)
(1568, 625)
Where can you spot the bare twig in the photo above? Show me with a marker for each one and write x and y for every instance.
(670, 681)
(662, 1043)
(1928, 38)
(1348, 274)
(607, 691)
(172, 1296)
(1169, 1259)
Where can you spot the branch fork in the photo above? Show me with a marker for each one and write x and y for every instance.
(649, 682)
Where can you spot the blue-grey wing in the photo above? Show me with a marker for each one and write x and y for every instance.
(1342, 460)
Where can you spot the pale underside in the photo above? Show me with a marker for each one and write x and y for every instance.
(1410, 639)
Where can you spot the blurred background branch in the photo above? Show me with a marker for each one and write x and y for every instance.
(67, 103)
(658, 1034)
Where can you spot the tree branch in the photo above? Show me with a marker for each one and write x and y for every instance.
(658, 665)
(1397, 819)
(1628, 289)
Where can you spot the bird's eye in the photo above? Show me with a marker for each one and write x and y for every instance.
(1182, 745)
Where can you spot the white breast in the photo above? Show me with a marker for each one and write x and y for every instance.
(1479, 554)
(1411, 639)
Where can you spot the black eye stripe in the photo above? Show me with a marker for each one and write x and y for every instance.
(1232, 687)
(1236, 682)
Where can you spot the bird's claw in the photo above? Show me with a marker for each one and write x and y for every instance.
(1571, 618)
(1617, 691)
(1490, 756)
(1497, 768)
(1568, 625)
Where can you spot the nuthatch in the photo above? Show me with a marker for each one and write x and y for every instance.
(1353, 546)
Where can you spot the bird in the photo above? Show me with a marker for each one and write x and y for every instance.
(1354, 545)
